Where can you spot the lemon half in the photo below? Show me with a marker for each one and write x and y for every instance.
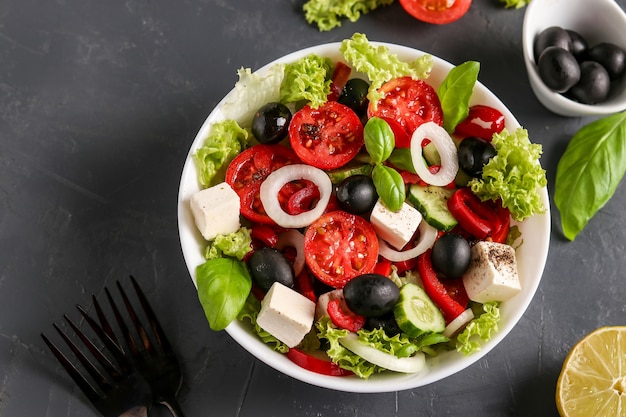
(592, 382)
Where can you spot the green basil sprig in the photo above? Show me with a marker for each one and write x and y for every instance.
(455, 93)
(379, 143)
(589, 171)
(223, 287)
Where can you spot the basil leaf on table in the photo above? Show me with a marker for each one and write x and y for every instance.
(223, 286)
(379, 139)
(455, 93)
(389, 186)
(589, 171)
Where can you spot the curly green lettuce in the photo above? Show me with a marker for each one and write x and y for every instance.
(327, 14)
(518, 4)
(236, 245)
(380, 65)
(225, 140)
(514, 175)
(480, 329)
(250, 312)
(307, 79)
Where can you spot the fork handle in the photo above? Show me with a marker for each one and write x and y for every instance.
(173, 406)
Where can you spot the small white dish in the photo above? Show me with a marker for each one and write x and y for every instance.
(597, 21)
(531, 255)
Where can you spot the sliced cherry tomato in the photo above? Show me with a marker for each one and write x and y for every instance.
(482, 121)
(438, 12)
(339, 246)
(316, 364)
(341, 75)
(327, 137)
(247, 171)
(409, 102)
(343, 318)
(400, 135)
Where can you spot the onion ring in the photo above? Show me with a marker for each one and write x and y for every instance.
(293, 238)
(447, 151)
(271, 186)
(428, 235)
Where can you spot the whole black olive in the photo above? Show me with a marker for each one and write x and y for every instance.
(371, 295)
(357, 194)
(354, 95)
(552, 36)
(594, 84)
(387, 323)
(473, 154)
(579, 44)
(610, 56)
(268, 265)
(451, 255)
(270, 123)
(558, 69)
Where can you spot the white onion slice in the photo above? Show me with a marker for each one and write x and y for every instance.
(446, 148)
(385, 360)
(293, 238)
(428, 235)
(277, 179)
(458, 323)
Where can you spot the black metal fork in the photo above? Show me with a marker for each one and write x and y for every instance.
(114, 389)
(153, 355)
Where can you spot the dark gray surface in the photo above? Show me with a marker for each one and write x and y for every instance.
(99, 103)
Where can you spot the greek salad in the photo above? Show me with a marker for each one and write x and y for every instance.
(358, 218)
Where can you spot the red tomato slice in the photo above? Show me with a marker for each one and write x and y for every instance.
(481, 121)
(339, 246)
(436, 11)
(327, 137)
(248, 170)
(409, 102)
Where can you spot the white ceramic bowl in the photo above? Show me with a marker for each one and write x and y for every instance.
(531, 257)
(596, 20)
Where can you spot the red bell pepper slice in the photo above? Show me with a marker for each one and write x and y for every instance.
(343, 318)
(304, 285)
(341, 75)
(315, 364)
(501, 230)
(473, 216)
(383, 267)
(303, 199)
(264, 234)
(437, 292)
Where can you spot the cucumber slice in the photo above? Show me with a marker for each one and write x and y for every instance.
(385, 360)
(416, 314)
(338, 175)
(432, 202)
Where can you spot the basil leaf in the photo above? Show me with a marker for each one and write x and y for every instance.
(379, 139)
(455, 93)
(589, 171)
(401, 158)
(223, 286)
(389, 186)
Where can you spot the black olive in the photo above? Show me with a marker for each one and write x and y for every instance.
(610, 56)
(473, 154)
(579, 44)
(268, 265)
(552, 36)
(354, 95)
(451, 255)
(387, 323)
(357, 194)
(558, 69)
(270, 123)
(371, 295)
(594, 84)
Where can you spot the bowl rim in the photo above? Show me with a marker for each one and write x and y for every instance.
(537, 243)
(552, 100)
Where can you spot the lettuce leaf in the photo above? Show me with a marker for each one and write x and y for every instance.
(518, 4)
(225, 140)
(514, 175)
(307, 79)
(236, 245)
(380, 65)
(481, 328)
(250, 312)
(327, 14)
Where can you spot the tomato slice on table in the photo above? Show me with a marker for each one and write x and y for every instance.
(409, 102)
(339, 246)
(327, 137)
(436, 11)
(248, 170)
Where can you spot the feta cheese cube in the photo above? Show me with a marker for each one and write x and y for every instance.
(492, 274)
(286, 314)
(396, 228)
(216, 210)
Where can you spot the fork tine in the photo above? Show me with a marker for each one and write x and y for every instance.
(78, 378)
(128, 336)
(147, 344)
(104, 323)
(154, 323)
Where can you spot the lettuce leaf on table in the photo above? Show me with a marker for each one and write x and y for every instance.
(327, 14)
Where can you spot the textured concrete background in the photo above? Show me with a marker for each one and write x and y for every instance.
(99, 103)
